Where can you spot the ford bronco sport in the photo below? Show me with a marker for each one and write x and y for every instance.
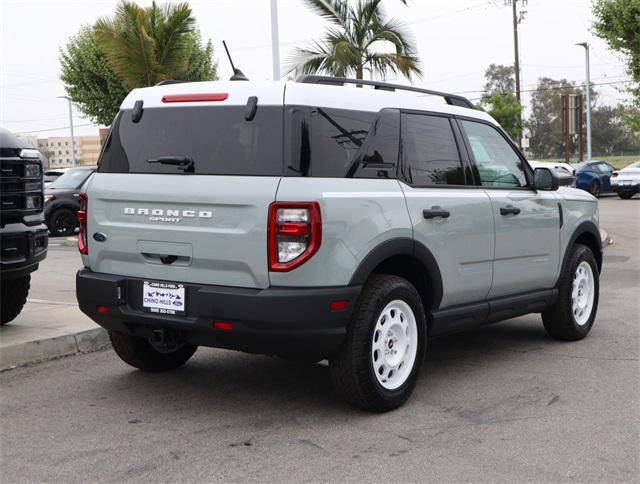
(317, 220)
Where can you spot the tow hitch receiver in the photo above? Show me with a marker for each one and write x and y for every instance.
(164, 339)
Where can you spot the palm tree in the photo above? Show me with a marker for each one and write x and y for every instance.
(146, 45)
(349, 45)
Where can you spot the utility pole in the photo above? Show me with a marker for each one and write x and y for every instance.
(275, 42)
(588, 92)
(73, 140)
(517, 18)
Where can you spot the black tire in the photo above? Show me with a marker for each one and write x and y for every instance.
(626, 195)
(352, 371)
(594, 188)
(559, 320)
(139, 353)
(62, 222)
(14, 296)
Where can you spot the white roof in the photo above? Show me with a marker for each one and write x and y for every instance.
(296, 93)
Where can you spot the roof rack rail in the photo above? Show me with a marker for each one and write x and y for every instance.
(170, 81)
(452, 99)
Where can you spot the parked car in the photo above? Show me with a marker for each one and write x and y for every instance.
(61, 200)
(626, 182)
(52, 175)
(563, 169)
(23, 235)
(594, 177)
(315, 220)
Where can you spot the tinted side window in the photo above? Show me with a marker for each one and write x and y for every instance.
(337, 143)
(429, 151)
(336, 137)
(498, 163)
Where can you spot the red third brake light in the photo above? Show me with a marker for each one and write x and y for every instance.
(294, 234)
(81, 216)
(194, 98)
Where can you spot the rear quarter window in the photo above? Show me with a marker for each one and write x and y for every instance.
(339, 143)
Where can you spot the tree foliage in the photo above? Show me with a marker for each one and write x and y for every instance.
(97, 87)
(506, 110)
(351, 44)
(545, 121)
(617, 22)
(610, 133)
(499, 101)
(499, 79)
(89, 82)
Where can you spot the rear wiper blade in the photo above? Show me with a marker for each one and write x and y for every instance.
(184, 162)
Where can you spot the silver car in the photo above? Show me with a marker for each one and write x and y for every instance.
(318, 220)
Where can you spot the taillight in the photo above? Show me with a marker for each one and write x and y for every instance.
(81, 216)
(614, 174)
(294, 234)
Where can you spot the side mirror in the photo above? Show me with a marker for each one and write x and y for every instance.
(545, 179)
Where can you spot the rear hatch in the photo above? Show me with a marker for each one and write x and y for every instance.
(184, 185)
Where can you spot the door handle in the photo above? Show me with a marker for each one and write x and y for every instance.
(434, 212)
(509, 210)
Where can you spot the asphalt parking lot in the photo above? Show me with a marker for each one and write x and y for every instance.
(501, 403)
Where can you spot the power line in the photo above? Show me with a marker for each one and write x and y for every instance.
(552, 88)
(55, 129)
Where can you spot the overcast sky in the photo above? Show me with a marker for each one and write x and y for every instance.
(456, 40)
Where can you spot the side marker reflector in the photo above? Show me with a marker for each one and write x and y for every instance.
(223, 325)
(102, 309)
(339, 305)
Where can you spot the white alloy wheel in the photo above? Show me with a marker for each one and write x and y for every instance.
(582, 294)
(395, 344)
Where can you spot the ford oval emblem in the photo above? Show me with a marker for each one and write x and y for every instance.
(99, 237)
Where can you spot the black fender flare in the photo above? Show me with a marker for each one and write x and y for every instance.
(586, 227)
(407, 247)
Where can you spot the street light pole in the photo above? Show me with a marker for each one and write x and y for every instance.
(73, 140)
(588, 96)
(275, 42)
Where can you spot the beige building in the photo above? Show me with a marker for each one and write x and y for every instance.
(56, 151)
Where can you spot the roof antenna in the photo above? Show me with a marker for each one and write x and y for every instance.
(238, 75)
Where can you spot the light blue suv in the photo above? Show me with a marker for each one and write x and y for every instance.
(319, 220)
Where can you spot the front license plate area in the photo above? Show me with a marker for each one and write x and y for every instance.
(164, 298)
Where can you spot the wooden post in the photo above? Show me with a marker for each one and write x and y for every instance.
(565, 125)
(581, 126)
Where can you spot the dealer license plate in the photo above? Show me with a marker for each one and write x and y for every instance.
(164, 298)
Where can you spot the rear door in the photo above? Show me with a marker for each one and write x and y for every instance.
(207, 224)
(527, 222)
(450, 217)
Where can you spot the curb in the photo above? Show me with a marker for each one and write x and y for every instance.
(47, 349)
(605, 239)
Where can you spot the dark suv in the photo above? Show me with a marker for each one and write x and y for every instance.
(62, 200)
(23, 235)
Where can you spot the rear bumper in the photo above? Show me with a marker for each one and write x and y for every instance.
(625, 188)
(22, 248)
(269, 321)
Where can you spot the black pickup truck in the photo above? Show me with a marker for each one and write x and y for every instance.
(23, 234)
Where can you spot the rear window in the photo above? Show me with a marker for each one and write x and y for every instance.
(219, 140)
